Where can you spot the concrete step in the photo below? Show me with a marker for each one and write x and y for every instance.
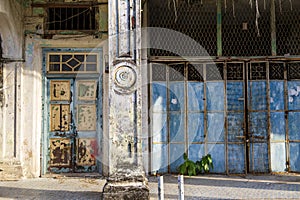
(10, 172)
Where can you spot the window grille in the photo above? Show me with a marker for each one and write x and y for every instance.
(288, 28)
(276, 71)
(258, 71)
(239, 32)
(72, 63)
(197, 20)
(72, 18)
(195, 72)
(159, 72)
(235, 71)
(293, 70)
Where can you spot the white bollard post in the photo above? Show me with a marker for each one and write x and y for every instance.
(180, 187)
(161, 188)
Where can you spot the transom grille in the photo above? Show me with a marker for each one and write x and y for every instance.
(72, 63)
(276, 71)
(293, 71)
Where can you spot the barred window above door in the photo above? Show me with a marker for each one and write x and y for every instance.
(72, 18)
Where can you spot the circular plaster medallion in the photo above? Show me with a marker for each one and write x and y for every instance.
(125, 77)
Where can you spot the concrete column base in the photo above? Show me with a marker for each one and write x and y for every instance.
(126, 188)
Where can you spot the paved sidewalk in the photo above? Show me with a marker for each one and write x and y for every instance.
(200, 187)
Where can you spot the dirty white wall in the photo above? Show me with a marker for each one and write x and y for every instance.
(11, 31)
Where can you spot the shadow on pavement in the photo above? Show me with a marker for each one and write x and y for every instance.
(248, 182)
(24, 193)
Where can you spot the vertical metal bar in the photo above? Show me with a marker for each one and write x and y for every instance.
(72, 21)
(168, 116)
(246, 118)
(66, 22)
(60, 21)
(219, 27)
(150, 103)
(54, 19)
(128, 27)
(161, 188)
(117, 27)
(273, 28)
(205, 108)
(15, 110)
(186, 108)
(225, 114)
(286, 114)
(134, 29)
(268, 114)
(180, 187)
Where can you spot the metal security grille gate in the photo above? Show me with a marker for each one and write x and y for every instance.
(72, 107)
(243, 113)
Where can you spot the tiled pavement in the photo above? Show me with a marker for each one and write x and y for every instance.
(200, 187)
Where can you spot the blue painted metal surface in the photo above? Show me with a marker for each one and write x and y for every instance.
(176, 156)
(277, 126)
(217, 152)
(176, 100)
(195, 127)
(235, 127)
(293, 95)
(215, 132)
(195, 96)
(258, 127)
(258, 95)
(236, 158)
(159, 158)
(277, 95)
(293, 125)
(205, 129)
(278, 157)
(159, 127)
(235, 96)
(294, 128)
(177, 127)
(159, 97)
(215, 96)
(196, 151)
(259, 160)
(295, 156)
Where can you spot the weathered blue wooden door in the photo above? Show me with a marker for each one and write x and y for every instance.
(187, 109)
(293, 116)
(247, 119)
(72, 107)
(257, 136)
(236, 115)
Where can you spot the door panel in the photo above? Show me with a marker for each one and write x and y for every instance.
(258, 118)
(259, 104)
(236, 139)
(73, 123)
(293, 116)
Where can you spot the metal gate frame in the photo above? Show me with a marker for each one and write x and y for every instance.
(275, 145)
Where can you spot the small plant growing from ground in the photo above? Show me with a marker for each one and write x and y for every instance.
(205, 164)
(191, 168)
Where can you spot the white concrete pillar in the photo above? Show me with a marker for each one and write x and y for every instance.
(126, 175)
